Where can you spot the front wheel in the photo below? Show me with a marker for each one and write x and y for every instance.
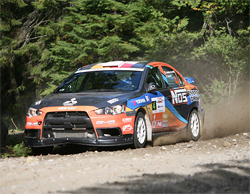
(194, 126)
(140, 131)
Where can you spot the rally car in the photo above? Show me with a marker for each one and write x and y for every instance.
(116, 103)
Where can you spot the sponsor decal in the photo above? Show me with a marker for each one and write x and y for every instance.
(154, 107)
(157, 124)
(165, 125)
(169, 72)
(158, 105)
(165, 116)
(66, 108)
(33, 124)
(70, 103)
(194, 95)
(139, 101)
(132, 105)
(105, 122)
(127, 128)
(179, 96)
(127, 120)
(113, 100)
(38, 102)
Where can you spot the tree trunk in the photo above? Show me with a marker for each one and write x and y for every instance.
(13, 85)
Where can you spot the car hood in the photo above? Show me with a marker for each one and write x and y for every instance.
(97, 100)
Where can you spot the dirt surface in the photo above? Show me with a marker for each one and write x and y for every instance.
(218, 163)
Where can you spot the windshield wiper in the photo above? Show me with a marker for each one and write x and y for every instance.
(107, 90)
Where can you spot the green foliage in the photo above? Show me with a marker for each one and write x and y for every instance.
(225, 52)
(19, 150)
(42, 42)
(14, 146)
(215, 93)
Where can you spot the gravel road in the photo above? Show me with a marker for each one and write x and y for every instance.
(219, 165)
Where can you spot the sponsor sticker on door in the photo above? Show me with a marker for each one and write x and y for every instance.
(158, 104)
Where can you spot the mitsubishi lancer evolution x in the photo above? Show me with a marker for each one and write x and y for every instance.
(116, 103)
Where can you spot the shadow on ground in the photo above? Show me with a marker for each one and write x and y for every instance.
(76, 149)
(219, 178)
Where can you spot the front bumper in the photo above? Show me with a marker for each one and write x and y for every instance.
(101, 141)
(79, 126)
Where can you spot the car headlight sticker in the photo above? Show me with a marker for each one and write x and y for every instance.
(33, 112)
(99, 111)
(118, 109)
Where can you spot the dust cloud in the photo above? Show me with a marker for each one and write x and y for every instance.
(228, 118)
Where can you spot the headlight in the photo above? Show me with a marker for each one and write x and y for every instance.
(33, 112)
(113, 110)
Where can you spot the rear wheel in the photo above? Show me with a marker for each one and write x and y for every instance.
(194, 126)
(140, 131)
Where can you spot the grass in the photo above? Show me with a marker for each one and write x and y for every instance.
(14, 146)
(15, 130)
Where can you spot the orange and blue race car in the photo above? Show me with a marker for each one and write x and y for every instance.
(116, 103)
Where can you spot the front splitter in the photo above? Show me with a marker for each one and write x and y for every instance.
(101, 141)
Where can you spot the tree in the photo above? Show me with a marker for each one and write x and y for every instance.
(43, 41)
(22, 46)
(225, 51)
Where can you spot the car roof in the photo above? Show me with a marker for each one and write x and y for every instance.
(116, 64)
(123, 64)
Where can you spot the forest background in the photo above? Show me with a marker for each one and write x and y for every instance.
(44, 41)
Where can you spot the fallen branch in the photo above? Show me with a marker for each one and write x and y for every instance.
(14, 124)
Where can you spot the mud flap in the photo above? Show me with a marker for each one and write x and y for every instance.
(201, 116)
(149, 128)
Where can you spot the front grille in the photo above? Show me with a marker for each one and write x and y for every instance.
(67, 120)
(68, 125)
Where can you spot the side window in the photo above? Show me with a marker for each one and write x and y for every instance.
(79, 83)
(172, 78)
(156, 77)
(68, 87)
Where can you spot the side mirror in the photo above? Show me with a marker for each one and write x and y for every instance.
(190, 80)
(151, 87)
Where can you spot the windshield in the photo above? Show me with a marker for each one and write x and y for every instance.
(101, 81)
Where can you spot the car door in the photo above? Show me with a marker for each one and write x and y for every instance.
(157, 107)
(176, 99)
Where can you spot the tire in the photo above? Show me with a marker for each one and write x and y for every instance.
(42, 150)
(194, 126)
(140, 131)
